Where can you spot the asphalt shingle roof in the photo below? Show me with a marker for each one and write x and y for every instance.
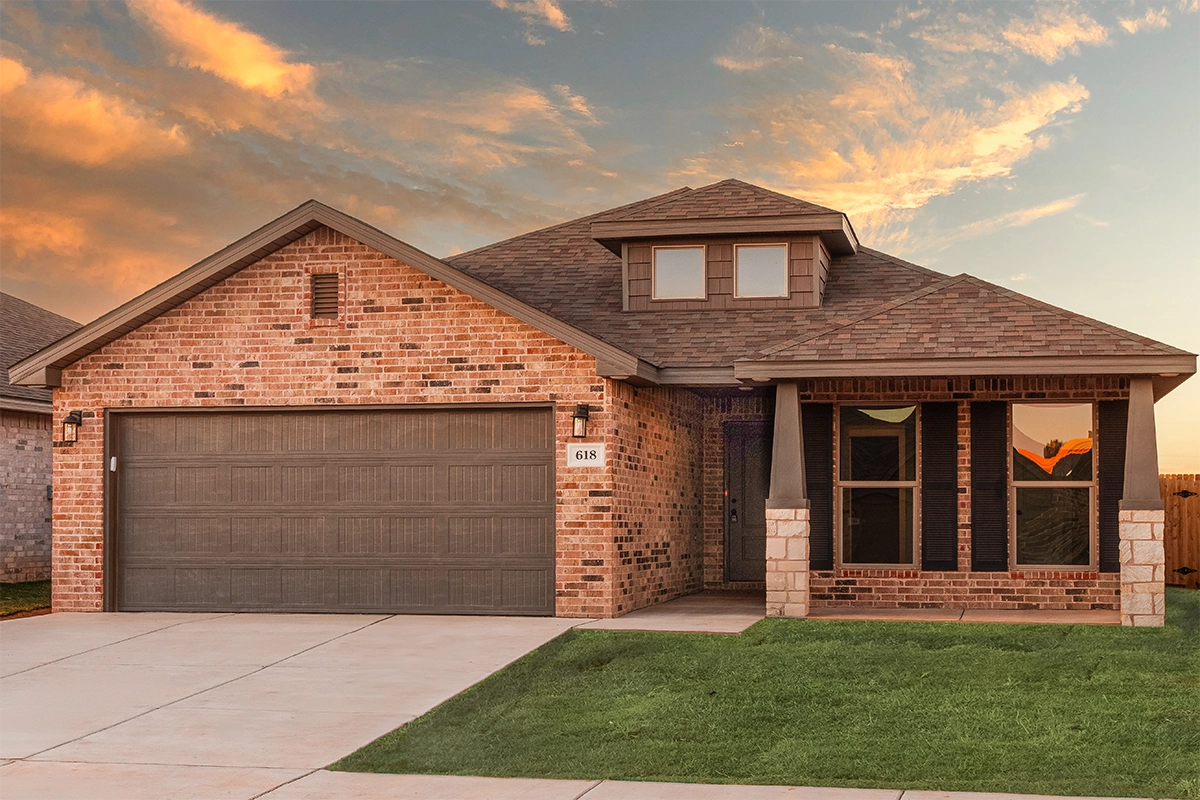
(964, 317)
(875, 306)
(25, 329)
(727, 199)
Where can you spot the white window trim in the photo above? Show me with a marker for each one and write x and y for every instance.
(787, 271)
(839, 484)
(1093, 487)
(654, 271)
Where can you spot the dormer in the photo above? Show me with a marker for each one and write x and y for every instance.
(730, 245)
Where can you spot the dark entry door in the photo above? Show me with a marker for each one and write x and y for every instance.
(747, 481)
(445, 511)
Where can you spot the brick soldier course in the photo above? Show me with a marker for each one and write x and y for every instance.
(557, 319)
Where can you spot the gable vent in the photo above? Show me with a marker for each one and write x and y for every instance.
(325, 296)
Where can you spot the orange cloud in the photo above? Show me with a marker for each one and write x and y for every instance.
(756, 47)
(537, 12)
(1053, 32)
(67, 120)
(27, 231)
(232, 53)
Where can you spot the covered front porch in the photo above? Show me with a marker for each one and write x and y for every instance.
(960, 485)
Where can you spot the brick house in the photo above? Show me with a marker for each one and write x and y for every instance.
(712, 388)
(25, 439)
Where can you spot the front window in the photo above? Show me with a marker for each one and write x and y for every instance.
(761, 270)
(679, 273)
(877, 481)
(1053, 484)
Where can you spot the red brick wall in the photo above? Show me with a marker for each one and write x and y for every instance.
(402, 338)
(878, 588)
(657, 512)
(24, 507)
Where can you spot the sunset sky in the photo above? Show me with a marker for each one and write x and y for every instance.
(1050, 148)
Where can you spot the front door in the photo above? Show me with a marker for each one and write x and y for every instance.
(747, 480)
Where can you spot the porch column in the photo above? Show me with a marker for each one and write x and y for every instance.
(1143, 562)
(787, 511)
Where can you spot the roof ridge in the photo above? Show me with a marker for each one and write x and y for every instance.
(781, 195)
(1075, 315)
(651, 200)
(654, 202)
(900, 262)
(873, 311)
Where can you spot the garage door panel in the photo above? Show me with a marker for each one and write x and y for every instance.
(253, 433)
(253, 484)
(301, 433)
(411, 536)
(148, 435)
(196, 484)
(202, 535)
(256, 535)
(413, 483)
(338, 511)
(302, 484)
(361, 535)
(203, 433)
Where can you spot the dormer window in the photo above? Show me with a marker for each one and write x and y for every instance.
(678, 273)
(760, 270)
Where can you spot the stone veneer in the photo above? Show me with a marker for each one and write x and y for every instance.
(1143, 568)
(25, 474)
(787, 562)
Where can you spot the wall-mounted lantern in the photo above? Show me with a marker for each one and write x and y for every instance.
(71, 424)
(579, 426)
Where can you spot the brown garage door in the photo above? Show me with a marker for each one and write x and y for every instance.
(417, 511)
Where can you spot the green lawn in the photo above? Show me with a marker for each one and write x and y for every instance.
(16, 598)
(1032, 708)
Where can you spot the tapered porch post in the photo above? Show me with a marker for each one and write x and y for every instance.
(787, 511)
(1143, 561)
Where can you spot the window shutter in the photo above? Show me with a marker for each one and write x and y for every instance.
(989, 486)
(325, 295)
(939, 486)
(817, 419)
(1110, 472)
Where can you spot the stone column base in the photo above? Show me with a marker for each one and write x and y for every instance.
(1143, 568)
(787, 562)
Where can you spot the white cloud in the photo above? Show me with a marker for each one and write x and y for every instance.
(1152, 19)
(1024, 276)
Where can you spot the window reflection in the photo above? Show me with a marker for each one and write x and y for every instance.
(1052, 483)
(1052, 442)
(878, 472)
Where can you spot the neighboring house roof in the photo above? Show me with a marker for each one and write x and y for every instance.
(24, 330)
(879, 315)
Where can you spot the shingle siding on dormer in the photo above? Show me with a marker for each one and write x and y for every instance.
(808, 268)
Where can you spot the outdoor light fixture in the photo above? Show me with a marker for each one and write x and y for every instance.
(71, 423)
(579, 428)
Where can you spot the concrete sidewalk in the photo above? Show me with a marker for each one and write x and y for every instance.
(325, 785)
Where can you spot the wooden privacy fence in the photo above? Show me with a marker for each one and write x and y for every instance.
(1181, 493)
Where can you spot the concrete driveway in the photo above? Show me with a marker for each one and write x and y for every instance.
(224, 705)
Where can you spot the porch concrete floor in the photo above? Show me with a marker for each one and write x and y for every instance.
(1023, 617)
(703, 612)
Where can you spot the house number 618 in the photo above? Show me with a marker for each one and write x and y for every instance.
(585, 455)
